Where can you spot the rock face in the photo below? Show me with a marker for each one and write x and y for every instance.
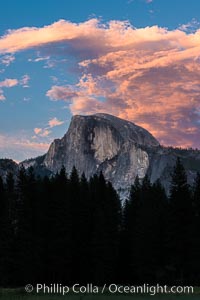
(118, 148)
(38, 165)
(162, 161)
(105, 143)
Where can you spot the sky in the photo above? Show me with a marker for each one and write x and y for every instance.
(135, 59)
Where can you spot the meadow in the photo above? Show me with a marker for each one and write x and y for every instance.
(19, 294)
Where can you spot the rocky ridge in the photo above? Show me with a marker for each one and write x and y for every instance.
(104, 143)
(118, 148)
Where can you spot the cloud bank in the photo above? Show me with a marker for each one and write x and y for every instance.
(21, 147)
(147, 75)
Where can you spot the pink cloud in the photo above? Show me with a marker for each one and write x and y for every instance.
(42, 132)
(36, 146)
(45, 133)
(9, 83)
(91, 36)
(29, 37)
(61, 93)
(55, 122)
(37, 130)
(147, 75)
(20, 148)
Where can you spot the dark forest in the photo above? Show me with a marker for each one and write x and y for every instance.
(67, 229)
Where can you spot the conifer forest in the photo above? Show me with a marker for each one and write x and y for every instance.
(69, 229)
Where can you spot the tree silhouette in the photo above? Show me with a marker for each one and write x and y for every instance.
(195, 233)
(180, 223)
(69, 229)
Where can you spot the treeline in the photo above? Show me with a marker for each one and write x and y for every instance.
(67, 229)
(160, 234)
(58, 230)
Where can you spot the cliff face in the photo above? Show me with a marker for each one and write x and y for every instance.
(105, 143)
(118, 148)
(163, 159)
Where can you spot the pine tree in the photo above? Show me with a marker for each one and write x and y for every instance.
(2, 231)
(197, 195)
(148, 234)
(195, 233)
(57, 229)
(31, 207)
(113, 216)
(74, 198)
(10, 194)
(85, 223)
(106, 212)
(63, 231)
(9, 260)
(143, 235)
(23, 238)
(127, 244)
(180, 222)
(161, 216)
(44, 225)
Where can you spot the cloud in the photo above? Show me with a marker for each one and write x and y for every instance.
(38, 59)
(2, 97)
(7, 60)
(20, 148)
(26, 99)
(9, 83)
(61, 93)
(49, 62)
(45, 132)
(37, 130)
(55, 122)
(24, 81)
(54, 79)
(190, 27)
(150, 79)
(147, 75)
(42, 132)
(29, 37)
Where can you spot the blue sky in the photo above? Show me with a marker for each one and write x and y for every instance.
(135, 59)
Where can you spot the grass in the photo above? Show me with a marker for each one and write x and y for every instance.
(20, 294)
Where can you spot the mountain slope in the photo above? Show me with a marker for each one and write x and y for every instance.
(105, 143)
(7, 166)
(118, 148)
